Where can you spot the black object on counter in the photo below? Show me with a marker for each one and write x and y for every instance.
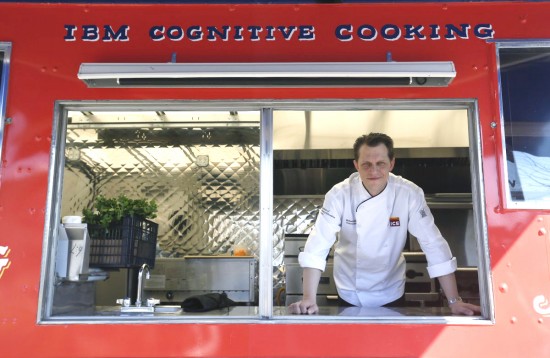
(206, 302)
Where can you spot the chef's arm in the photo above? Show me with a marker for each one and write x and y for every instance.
(448, 284)
(308, 304)
(311, 277)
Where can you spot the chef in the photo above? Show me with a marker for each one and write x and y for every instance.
(372, 211)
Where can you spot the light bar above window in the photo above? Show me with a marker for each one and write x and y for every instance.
(258, 75)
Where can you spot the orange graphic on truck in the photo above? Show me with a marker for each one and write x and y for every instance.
(4, 261)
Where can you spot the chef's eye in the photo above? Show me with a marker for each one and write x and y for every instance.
(379, 165)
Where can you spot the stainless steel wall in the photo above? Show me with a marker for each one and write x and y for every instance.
(207, 192)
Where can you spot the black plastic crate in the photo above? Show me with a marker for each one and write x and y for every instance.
(131, 242)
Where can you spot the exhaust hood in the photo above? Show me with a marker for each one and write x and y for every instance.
(291, 74)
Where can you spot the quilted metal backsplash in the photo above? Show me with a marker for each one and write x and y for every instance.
(207, 191)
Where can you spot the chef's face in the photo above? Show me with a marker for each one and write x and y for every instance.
(374, 167)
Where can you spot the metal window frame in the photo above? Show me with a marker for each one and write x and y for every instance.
(5, 48)
(508, 202)
(266, 312)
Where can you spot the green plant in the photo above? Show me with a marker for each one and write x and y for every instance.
(107, 210)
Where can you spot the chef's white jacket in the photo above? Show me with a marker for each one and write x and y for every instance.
(369, 267)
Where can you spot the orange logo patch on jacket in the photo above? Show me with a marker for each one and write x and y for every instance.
(394, 221)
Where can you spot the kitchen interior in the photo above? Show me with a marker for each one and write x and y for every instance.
(202, 168)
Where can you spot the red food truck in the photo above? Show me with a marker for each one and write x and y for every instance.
(224, 125)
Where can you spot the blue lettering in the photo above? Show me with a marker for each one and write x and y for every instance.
(411, 31)
(194, 33)
(484, 31)
(452, 29)
(69, 36)
(174, 33)
(238, 33)
(213, 31)
(254, 31)
(120, 35)
(434, 35)
(307, 32)
(156, 33)
(339, 32)
(270, 31)
(287, 31)
(390, 32)
(90, 33)
(343, 32)
(372, 33)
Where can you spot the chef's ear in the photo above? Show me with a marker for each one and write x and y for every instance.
(392, 164)
(356, 165)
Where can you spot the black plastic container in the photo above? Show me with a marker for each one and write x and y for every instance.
(128, 243)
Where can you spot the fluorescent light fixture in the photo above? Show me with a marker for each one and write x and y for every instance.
(288, 74)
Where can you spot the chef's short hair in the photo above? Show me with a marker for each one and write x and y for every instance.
(372, 140)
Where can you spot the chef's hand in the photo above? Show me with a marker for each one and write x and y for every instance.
(464, 308)
(305, 306)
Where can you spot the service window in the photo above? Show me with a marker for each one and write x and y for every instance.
(199, 172)
(5, 50)
(435, 147)
(237, 187)
(525, 80)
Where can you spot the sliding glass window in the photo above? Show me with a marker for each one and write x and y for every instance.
(525, 80)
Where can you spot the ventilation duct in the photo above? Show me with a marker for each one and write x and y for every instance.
(242, 75)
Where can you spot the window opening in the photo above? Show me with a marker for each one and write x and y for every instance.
(201, 164)
(524, 77)
(201, 169)
(313, 152)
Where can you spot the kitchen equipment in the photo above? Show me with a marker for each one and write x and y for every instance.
(74, 298)
(420, 289)
(175, 279)
(73, 252)
(326, 292)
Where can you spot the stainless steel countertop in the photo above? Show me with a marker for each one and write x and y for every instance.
(283, 311)
(332, 311)
(250, 314)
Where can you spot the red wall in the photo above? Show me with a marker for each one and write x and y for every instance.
(44, 68)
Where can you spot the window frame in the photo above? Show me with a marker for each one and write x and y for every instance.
(266, 311)
(508, 201)
(5, 48)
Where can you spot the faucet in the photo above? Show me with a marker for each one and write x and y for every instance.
(143, 268)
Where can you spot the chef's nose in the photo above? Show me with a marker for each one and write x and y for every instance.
(371, 168)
